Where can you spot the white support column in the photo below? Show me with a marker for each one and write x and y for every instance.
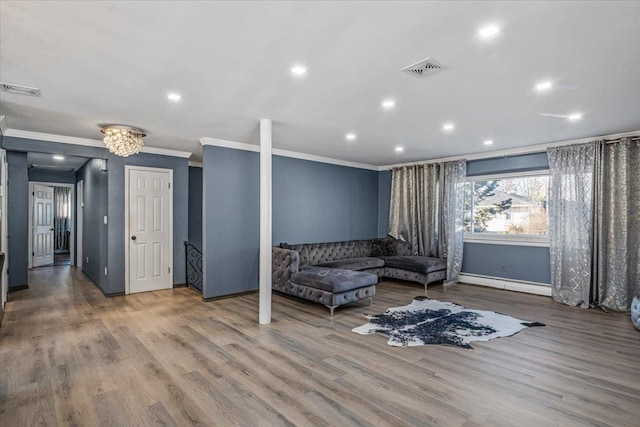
(265, 221)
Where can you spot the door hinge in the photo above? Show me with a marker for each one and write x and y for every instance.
(169, 270)
(33, 254)
(169, 185)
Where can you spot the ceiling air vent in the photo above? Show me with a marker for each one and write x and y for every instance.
(424, 68)
(21, 90)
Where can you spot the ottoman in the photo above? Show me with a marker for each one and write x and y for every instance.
(334, 286)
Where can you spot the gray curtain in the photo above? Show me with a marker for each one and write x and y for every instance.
(62, 217)
(571, 170)
(594, 224)
(427, 210)
(415, 215)
(453, 211)
(616, 267)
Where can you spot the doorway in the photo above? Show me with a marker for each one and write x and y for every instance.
(51, 228)
(148, 229)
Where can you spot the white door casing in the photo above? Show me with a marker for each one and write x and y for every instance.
(4, 241)
(42, 225)
(149, 229)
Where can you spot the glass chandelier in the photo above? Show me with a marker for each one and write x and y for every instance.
(122, 140)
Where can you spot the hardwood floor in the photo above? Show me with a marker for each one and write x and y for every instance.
(69, 356)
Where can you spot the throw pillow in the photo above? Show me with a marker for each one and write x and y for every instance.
(285, 245)
(383, 247)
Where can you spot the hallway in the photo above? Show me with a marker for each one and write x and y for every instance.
(70, 356)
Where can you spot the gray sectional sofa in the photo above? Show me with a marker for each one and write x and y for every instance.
(338, 273)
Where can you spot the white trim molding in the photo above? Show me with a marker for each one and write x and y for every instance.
(507, 284)
(507, 239)
(3, 125)
(64, 139)
(285, 153)
(195, 164)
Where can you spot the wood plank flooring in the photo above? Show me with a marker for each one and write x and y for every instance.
(69, 356)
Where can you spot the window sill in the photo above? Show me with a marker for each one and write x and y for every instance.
(513, 240)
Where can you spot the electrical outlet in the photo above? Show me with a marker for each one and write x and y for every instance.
(105, 271)
(105, 219)
(503, 268)
(87, 260)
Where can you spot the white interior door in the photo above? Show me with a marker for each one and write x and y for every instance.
(4, 241)
(79, 221)
(42, 225)
(150, 230)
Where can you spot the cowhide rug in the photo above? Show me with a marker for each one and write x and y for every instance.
(428, 321)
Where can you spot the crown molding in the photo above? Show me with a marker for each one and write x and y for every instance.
(3, 125)
(528, 149)
(285, 153)
(64, 139)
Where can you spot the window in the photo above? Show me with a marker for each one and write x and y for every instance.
(507, 208)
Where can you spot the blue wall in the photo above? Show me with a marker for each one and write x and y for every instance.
(528, 263)
(115, 202)
(384, 201)
(195, 207)
(312, 202)
(18, 220)
(231, 220)
(94, 230)
(43, 175)
(320, 202)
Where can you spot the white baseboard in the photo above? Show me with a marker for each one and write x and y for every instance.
(507, 284)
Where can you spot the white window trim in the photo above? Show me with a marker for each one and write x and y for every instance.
(507, 239)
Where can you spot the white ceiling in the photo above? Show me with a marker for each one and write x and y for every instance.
(115, 62)
(47, 161)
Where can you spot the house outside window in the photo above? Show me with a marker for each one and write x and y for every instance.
(507, 209)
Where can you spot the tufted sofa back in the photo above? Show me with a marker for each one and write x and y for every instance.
(316, 253)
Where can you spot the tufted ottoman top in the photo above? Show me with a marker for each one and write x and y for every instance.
(333, 279)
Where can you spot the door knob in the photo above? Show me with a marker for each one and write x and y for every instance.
(133, 237)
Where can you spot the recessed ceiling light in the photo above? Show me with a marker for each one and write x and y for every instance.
(58, 157)
(489, 31)
(574, 117)
(544, 86)
(350, 136)
(388, 104)
(299, 70)
(448, 127)
(399, 149)
(488, 142)
(174, 96)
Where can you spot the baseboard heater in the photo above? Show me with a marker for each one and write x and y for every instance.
(507, 284)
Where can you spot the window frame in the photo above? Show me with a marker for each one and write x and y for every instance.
(506, 239)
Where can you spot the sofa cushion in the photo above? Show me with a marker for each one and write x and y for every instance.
(419, 264)
(333, 279)
(354, 263)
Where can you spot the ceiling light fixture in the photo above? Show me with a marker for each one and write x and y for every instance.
(388, 104)
(399, 149)
(489, 31)
(174, 96)
(488, 142)
(58, 157)
(574, 117)
(544, 86)
(299, 70)
(448, 127)
(123, 140)
(350, 136)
